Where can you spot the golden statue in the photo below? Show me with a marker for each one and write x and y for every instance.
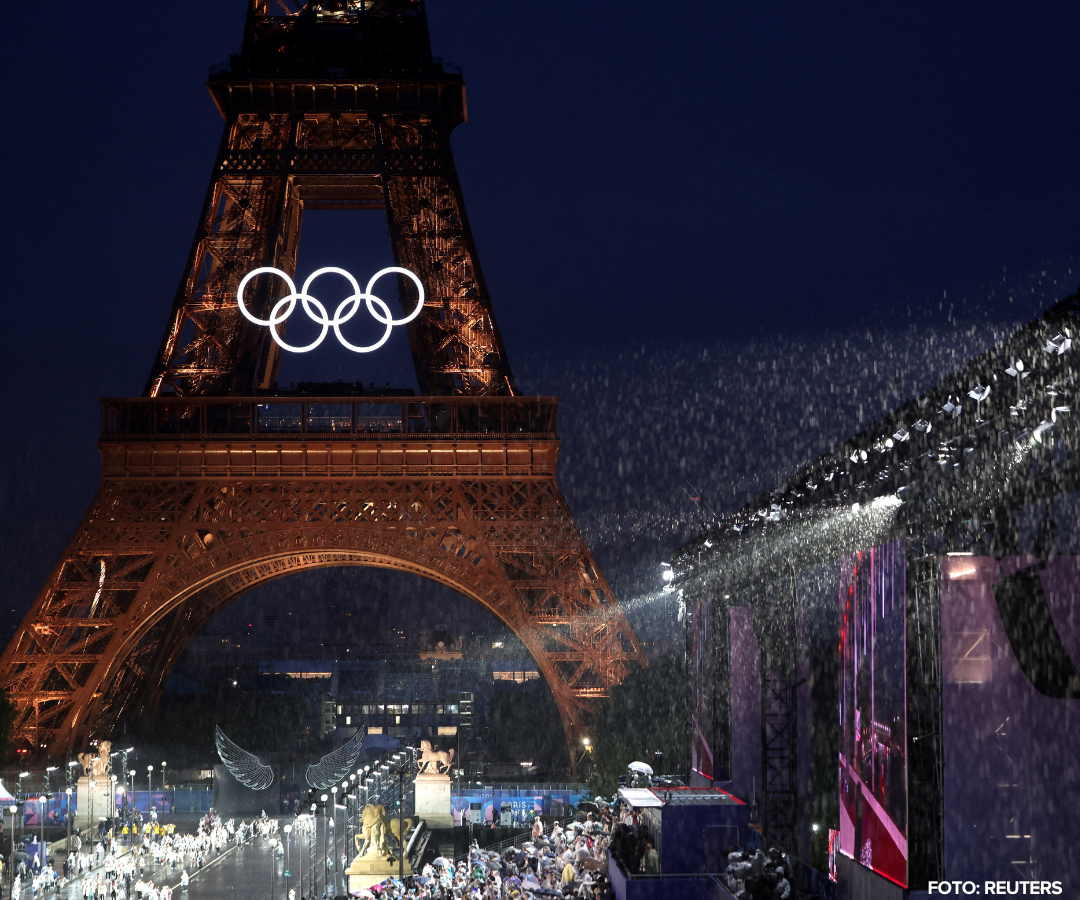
(96, 765)
(374, 859)
(375, 830)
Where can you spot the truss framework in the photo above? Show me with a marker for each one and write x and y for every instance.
(156, 557)
(270, 168)
(333, 106)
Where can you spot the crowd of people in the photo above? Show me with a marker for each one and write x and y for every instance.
(759, 875)
(566, 862)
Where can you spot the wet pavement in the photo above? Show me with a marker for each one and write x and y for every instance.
(237, 872)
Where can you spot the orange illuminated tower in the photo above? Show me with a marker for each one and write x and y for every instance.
(214, 481)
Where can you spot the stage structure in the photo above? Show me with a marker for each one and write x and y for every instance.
(915, 604)
(214, 481)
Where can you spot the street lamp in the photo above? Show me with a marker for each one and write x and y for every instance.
(121, 801)
(326, 873)
(163, 765)
(129, 813)
(68, 818)
(150, 792)
(349, 789)
(333, 834)
(288, 844)
(332, 840)
(11, 867)
(43, 803)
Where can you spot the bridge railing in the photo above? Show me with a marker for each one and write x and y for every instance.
(367, 418)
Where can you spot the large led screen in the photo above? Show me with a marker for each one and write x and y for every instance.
(873, 723)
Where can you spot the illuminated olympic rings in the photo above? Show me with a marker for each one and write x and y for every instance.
(317, 312)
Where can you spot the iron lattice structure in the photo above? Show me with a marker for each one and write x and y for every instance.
(210, 488)
(339, 106)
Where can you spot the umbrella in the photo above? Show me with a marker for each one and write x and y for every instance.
(643, 768)
(442, 861)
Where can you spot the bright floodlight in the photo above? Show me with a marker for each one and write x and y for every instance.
(1059, 343)
(952, 409)
(979, 393)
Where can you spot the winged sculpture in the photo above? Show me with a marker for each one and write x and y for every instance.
(244, 767)
(337, 764)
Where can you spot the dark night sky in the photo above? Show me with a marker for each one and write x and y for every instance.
(635, 173)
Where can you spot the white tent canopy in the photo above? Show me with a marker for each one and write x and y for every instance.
(5, 795)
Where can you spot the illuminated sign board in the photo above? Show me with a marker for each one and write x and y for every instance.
(348, 307)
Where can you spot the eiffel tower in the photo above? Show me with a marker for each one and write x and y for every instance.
(214, 481)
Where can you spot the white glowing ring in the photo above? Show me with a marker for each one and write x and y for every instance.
(348, 307)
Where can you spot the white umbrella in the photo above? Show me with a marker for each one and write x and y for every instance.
(643, 768)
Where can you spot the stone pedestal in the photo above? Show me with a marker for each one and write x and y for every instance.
(365, 871)
(103, 803)
(433, 803)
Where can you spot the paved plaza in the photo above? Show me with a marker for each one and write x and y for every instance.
(239, 871)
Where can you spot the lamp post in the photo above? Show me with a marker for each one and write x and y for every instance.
(313, 849)
(288, 846)
(131, 808)
(68, 818)
(326, 872)
(163, 765)
(121, 800)
(13, 809)
(43, 805)
(348, 789)
(151, 812)
(332, 852)
(332, 841)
